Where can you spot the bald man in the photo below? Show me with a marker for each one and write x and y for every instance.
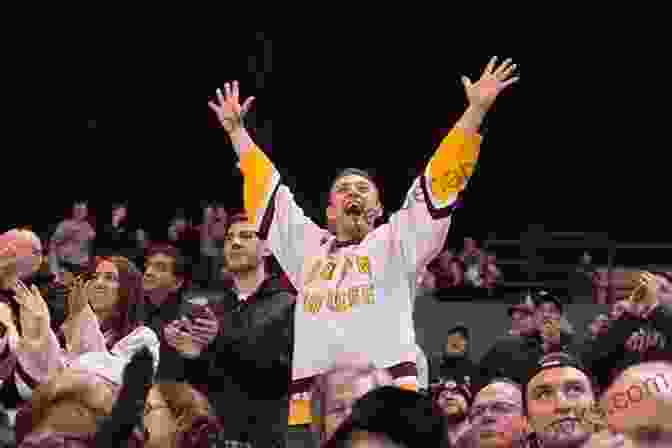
(639, 404)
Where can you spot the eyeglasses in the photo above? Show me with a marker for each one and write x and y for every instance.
(497, 408)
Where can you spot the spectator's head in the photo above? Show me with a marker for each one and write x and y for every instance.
(522, 318)
(117, 292)
(548, 310)
(354, 204)
(23, 251)
(559, 396)
(243, 250)
(496, 415)
(335, 392)
(598, 326)
(80, 210)
(165, 269)
(639, 404)
(171, 409)
(390, 417)
(119, 211)
(457, 341)
(180, 221)
(470, 245)
(453, 401)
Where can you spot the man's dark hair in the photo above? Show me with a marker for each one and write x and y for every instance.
(181, 266)
(353, 172)
(407, 418)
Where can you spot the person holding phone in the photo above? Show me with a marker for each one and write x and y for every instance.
(249, 361)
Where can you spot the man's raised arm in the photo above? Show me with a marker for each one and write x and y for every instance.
(419, 226)
(268, 204)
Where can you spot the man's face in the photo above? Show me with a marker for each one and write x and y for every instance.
(522, 322)
(547, 314)
(119, 213)
(353, 206)
(557, 402)
(456, 344)
(243, 250)
(639, 403)
(452, 404)
(497, 416)
(80, 211)
(160, 274)
(344, 388)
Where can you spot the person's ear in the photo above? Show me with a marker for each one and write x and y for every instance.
(331, 213)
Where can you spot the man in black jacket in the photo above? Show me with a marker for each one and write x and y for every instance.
(512, 356)
(454, 364)
(249, 363)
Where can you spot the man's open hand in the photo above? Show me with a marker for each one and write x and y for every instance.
(228, 109)
(494, 80)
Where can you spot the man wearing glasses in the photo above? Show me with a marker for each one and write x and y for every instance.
(496, 417)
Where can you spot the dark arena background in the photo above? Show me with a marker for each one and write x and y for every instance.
(571, 146)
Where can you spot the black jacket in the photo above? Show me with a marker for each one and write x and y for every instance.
(514, 357)
(616, 350)
(250, 365)
(172, 365)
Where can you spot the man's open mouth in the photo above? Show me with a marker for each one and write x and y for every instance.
(354, 208)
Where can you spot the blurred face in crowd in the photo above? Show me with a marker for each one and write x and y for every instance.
(639, 404)
(557, 401)
(119, 213)
(497, 416)
(353, 206)
(470, 245)
(24, 260)
(456, 344)
(80, 211)
(243, 250)
(180, 224)
(453, 404)
(598, 325)
(160, 274)
(522, 322)
(547, 313)
(105, 294)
